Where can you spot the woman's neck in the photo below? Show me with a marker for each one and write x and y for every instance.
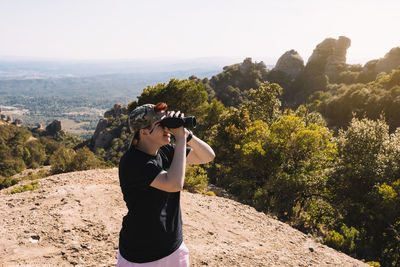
(148, 148)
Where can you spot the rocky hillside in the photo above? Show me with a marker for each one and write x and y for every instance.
(75, 218)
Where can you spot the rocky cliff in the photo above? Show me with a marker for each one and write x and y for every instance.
(386, 64)
(104, 133)
(73, 219)
(290, 63)
(4, 118)
(53, 128)
(329, 55)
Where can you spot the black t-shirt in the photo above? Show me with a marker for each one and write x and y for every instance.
(152, 229)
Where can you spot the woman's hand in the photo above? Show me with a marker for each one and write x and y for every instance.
(177, 132)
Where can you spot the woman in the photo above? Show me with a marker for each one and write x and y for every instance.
(151, 175)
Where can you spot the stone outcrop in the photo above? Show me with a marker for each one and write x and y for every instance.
(101, 137)
(9, 119)
(116, 111)
(246, 65)
(104, 133)
(17, 122)
(329, 55)
(103, 123)
(291, 63)
(53, 127)
(389, 62)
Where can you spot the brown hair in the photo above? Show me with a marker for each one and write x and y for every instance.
(159, 107)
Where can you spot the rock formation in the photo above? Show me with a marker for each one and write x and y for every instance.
(329, 55)
(246, 65)
(389, 62)
(290, 63)
(103, 123)
(116, 111)
(53, 127)
(103, 135)
(17, 122)
(9, 118)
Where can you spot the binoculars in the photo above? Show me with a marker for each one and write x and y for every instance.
(173, 122)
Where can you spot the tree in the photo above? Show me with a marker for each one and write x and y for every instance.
(299, 156)
(277, 168)
(232, 84)
(37, 154)
(390, 209)
(61, 159)
(183, 95)
(223, 137)
(84, 159)
(211, 117)
(364, 183)
(264, 103)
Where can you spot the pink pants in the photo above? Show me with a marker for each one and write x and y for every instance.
(180, 258)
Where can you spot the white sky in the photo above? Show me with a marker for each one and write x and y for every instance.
(129, 29)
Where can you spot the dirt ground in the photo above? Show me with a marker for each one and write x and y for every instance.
(75, 218)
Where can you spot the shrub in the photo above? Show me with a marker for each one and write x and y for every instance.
(11, 167)
(374, 263)
(345, 240)
(196, 179)
(7, 182)
(84, 159)
(26, 187)
(61, 160)
(335, 240)
(210, 193)
(67, 160)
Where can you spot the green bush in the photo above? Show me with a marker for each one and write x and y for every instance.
(20, 150)
(196, 179)
(7, 182)
(209, 193)
(374, 263)
(35, 154)
(26, 187)
(345, 240)
(67, 160)
(61, 160)
(335, 240)
(84, 159)
(319, 214)
(11, 166)
(364, 189)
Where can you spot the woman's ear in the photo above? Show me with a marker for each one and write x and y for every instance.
(144, 131)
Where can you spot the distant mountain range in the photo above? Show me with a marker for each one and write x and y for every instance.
(34, 69)
(98, 78)
(39, 91)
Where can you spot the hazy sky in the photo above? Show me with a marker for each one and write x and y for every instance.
(128, 29)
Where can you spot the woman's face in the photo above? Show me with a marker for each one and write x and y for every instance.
(158, 134)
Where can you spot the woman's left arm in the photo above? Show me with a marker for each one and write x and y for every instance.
(200, 152)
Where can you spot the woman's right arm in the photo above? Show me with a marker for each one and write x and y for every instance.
(173, 179)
